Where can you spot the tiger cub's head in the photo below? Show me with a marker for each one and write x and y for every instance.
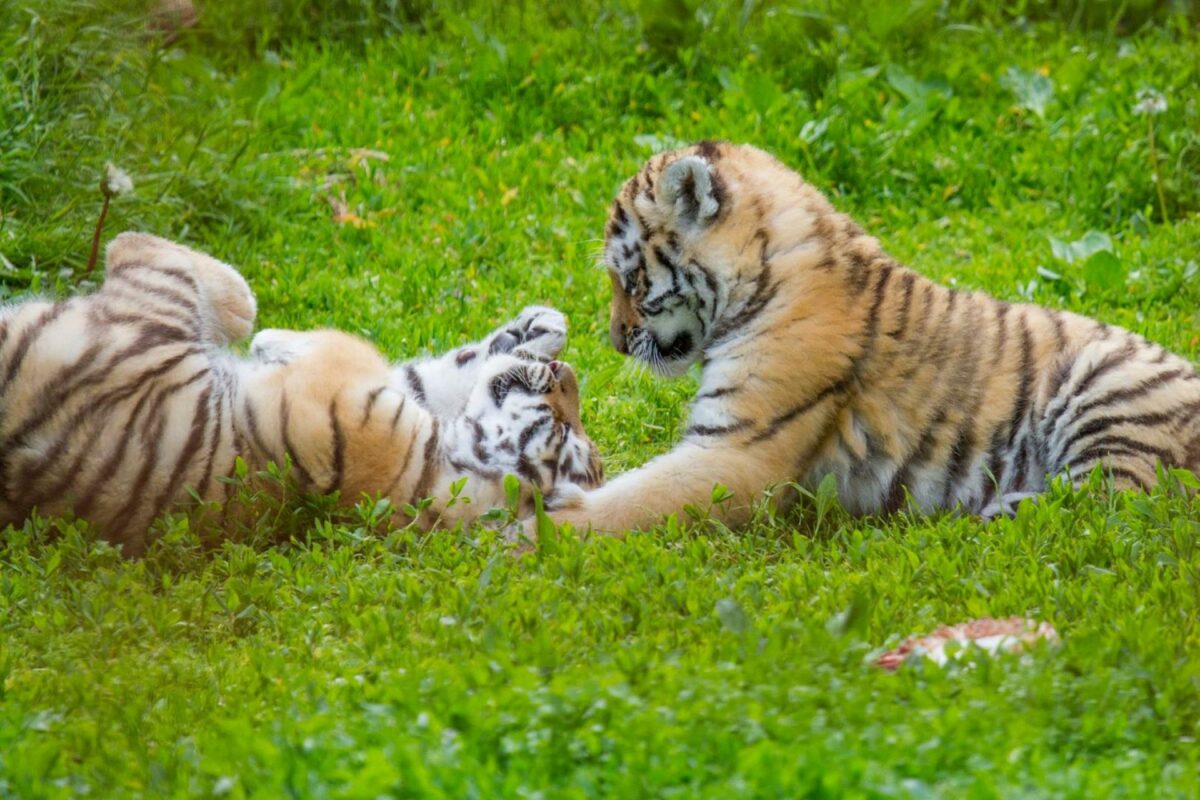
(338, 419)
(523, 419)
(684, 248)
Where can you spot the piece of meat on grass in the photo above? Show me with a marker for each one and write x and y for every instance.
(992, 635)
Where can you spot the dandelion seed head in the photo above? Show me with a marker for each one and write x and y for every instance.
(116, 181)
(1150, 101)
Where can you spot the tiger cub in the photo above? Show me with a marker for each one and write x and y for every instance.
(115, 404)
(821, 355)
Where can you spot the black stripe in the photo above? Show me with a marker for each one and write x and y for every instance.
(1112, 472)
(97, 407)
(28, 334)
(971, 382)
(125, 516)
(399, 411)
(142, 291)
(717, 430)
(415, 384)
(421, 490)
(1001, 332)
(859, 274)
(909, 279)
(920, 453)
(714, 393)
(777, 424)
(285, 410)
(764, 293)
(671, 265)
(527, 471)
(872, 326)
(59, 391)
(265, 453)
(210, 457)
(1060, 339)
(710, 280)
(412, 446)
(168, 272)
(1020, 465)
(110, 470)
(103, 315)
(477, 438)
(1107, 364)
(530, 430)
(167, 391)
(187, 454)
(339, 447)
(372, 396)
(1025, 382)
(1100, 424)
(1119, 445)
(1132, 393)
(709, 150)
(54, 394)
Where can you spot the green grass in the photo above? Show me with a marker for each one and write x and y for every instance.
(319, 655)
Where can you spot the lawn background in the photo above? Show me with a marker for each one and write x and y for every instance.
(417, 172)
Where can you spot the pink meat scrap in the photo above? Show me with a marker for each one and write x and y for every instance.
(992, 635)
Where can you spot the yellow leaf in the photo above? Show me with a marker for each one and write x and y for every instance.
(353, 220)
(508, 196)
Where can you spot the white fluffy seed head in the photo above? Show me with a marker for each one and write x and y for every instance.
(116, 181)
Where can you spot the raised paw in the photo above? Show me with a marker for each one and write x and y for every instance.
(538, 332)
(506, 373)
(228, 295)
(226, 302)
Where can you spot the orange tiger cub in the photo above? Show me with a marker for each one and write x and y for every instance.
(821, 355)
(116, 403)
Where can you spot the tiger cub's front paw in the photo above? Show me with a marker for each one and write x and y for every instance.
(538, 333)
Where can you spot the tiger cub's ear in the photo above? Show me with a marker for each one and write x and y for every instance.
(689, 189)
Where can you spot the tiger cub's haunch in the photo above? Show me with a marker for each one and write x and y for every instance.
(824, 356)
(115, 404)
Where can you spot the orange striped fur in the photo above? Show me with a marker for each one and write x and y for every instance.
(823, 355)
(117, 403)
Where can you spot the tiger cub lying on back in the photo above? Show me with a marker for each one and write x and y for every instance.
(822, 355)
(114, 404)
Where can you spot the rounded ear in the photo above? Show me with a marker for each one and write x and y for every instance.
(689, 188)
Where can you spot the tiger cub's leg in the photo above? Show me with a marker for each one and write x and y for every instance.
(151, 276)
(444, 384)
(1124, 404)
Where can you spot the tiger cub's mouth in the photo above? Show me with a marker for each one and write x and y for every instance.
(668, 359)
